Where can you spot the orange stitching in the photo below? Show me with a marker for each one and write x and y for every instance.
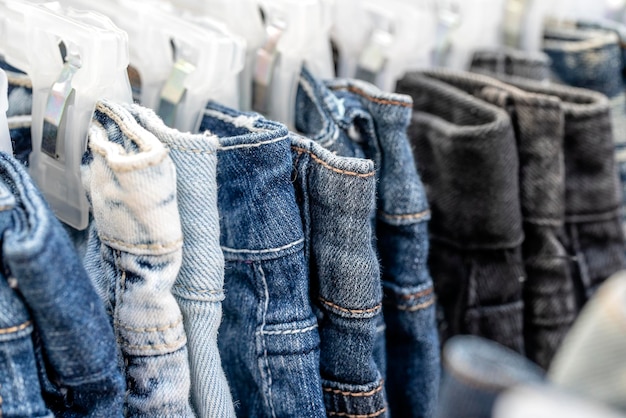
(418, 294)
(325, 164)
(419, 215)
(332, 305)
(15, 328)
(343, 414)
(360, 92)
(355, 394)
(153, 329)
(417, 307)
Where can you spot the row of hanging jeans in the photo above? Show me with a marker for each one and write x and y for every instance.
(248, 270)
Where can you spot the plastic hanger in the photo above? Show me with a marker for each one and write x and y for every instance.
(5, 138)
(180, 64)
(73, 60)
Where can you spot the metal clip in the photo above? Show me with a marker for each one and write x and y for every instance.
(174, 90)
(373, 57)
(264, 67)
(60, 95)
(448, 19)
(513, 23)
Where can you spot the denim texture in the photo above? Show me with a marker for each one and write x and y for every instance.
(355, 119)
(336, 196)
(133, 257)
(509, 61)
(19, 113)
(592, 236)
(51, 315)
(468, 160)
(594, 59)
(538, 120)
(199, 287)
(476, 371)
(268, 339)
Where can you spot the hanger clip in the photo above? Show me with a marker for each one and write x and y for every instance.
(174, 90)
(264, 66)
(374, 56)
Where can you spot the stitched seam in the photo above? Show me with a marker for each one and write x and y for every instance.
(194, 150)
(418, 294)
(343, 414)
(156, 346)
(416, 307)
(15, 328)
(360, 92)
(332, 305)
(257, 144)
(330, 167)
(142, 246)
(355, 394)
(290, 331)
(197, 290)
(152, 329)
(269, 250)
(130, 134)
(267, 363)
(19, 81)
(418, 215)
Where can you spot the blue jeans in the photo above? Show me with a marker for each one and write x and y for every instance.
(199, 287)
(134, 256)
(45, 291)
(355, 119)
(268, 338)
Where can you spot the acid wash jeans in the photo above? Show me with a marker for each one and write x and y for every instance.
(199, 287)
(468, 159)
(268, 339)
(58, 352)
(355, 119)
(133, 257)
(538, 120)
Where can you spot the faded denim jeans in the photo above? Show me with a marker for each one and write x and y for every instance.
(467, 156)
(134, 256)
(355, 119)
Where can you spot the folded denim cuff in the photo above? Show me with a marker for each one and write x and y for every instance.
(467, 154)
(509, 61)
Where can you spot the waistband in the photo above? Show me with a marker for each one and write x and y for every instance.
(509, 61)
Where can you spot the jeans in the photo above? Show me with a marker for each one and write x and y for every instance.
(336, 197)
(593, 59)
(355, 119)
(476, 372)
(467, 156)
(549, 297)
(268, 338)
(51, 315)
(508, 61)
(134, 256)
(19, 113)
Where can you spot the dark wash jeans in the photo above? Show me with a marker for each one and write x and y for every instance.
(467, 156)
(45, 291)
(538, 120)
(268, 340)
(509, 61)
(354, 119)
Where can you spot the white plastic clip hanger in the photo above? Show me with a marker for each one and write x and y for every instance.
(65, 91)
(5, 138)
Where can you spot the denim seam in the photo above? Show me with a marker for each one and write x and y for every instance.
(143, 146)
(171, 245)
(194, 150)
(19, 80)
(418, 294)
(356, 311)
(255, 145)
(198, 290)
(356, 90)
(355, 394)
(265, 356)
(236, 120)
(414, 216)
(152, 329)
(417, 307)
(15, 328)
(346, 415)
(264, 251)
(290, 331)
(308, 89)
(330, 167)
(178, 343)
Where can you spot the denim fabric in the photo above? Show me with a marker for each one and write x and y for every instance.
(19, 113)
(508, 61)
(268, 338)
(538, 121)
(355, 119)
(593, 59)
(134, 255)
(466, 153)
(336, 196)
(592, 235)
(476, 371)
(73, 342)
(591, 360)
(199, 287)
